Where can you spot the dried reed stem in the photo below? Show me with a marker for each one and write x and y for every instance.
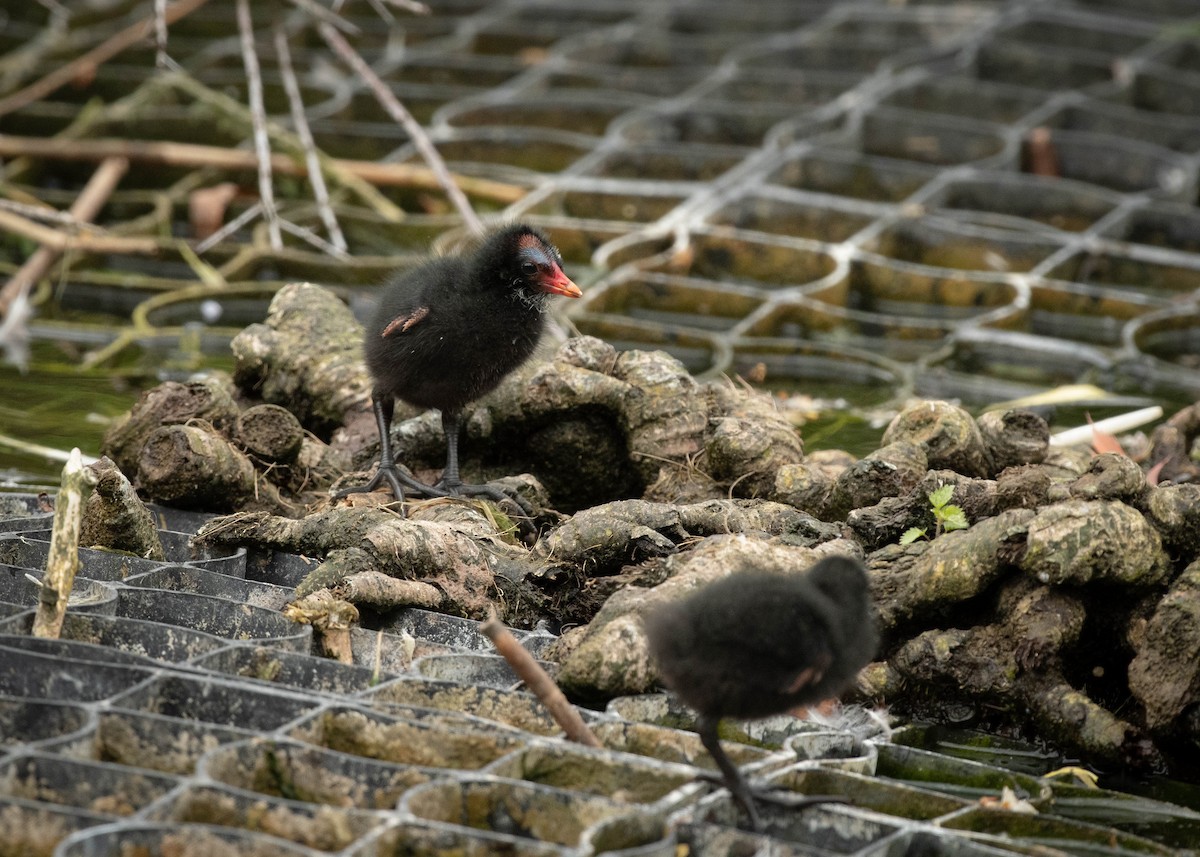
(258, 120)
(304, 133)
(398, 112)
(538, 682)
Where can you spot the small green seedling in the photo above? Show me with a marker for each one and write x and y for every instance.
(948, 516)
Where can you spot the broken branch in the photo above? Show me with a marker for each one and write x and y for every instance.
(63, 560)
(538, 682)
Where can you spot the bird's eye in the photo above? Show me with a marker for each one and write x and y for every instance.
(528, 269)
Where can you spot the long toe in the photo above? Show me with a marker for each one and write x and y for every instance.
(744, 795)
(785, 797)
(495, 494)
(748, 796)
(382, 477)
(420, 489)
(396, 481)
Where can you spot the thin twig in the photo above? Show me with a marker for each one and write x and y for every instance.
(97, 56)
(538, 682)
(229, 228)
(1120, 423)
(322, 14)
(258, 119)
(49, 453)
(300, 121)
(43, 214)
(313, 238)
(192, 155)
(410, 6)
(382, 11)
(61, 242)
(160, 33)
(85, 208)
(398, 112)
(208, 276)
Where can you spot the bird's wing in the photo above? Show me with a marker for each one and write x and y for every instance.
(402, 323)
(810, 675)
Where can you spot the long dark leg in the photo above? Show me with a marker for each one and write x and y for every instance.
(452, 483)
(451, 426)
(741, 790)
(734, 781)
(387, 474)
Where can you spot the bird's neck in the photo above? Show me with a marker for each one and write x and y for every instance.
(511, 286)
(532, 301)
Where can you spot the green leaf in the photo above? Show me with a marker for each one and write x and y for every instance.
(911, 535)
(941, 496)
(953, 518)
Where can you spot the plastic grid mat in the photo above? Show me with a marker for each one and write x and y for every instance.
(182, 715)
(829, 196)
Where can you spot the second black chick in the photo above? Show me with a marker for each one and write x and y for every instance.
(449, 331)
(758, 643)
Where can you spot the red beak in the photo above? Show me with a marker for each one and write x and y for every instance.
(558, 283)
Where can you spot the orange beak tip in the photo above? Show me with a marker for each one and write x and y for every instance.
(561, 284)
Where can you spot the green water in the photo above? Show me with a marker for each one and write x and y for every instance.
(841, 430)
(61, 408)
(58, 409)
(56, 405)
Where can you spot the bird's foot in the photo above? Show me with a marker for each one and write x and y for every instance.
(392, 478)
(490, 492)
(782, 796)
(745, 795)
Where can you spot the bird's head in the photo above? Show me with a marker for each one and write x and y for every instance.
(539, 267)
(522, 259)
(844, 581)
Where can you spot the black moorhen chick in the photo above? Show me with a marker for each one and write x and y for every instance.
(759, 643)
(448, 331)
